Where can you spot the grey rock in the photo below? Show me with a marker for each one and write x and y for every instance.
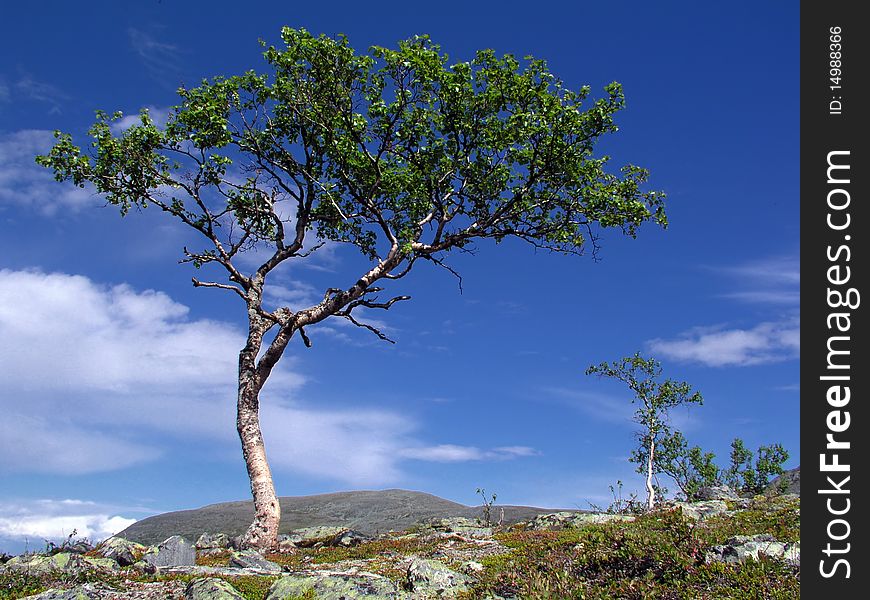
(789, 482)
(211, 588)
(432, 579)
(309, 537)
(144, 567)
(248, 559)
(121, 550)
(698, 511)
(172, 552)
(63, 562)
(742, 548)
(351, 538)
(87, 591)
(573, 520)
(717, 492)
(212, 541)
(335, 586)
(459, 525)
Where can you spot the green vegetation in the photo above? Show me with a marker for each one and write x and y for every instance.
(655, 398)
(692, 468)
(660, 555)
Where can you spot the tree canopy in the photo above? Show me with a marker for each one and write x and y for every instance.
(398, 152)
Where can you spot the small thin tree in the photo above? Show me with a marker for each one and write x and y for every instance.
(655, 399)
(396, 153)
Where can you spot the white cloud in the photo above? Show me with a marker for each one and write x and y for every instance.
(718, 347)
(98, 378)
(57, 519)
(157, 114)
(24, 183)
(454, 453)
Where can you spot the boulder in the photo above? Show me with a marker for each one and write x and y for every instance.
(211, 588)
(309, 537)
(432, 579)
(698, 511)
(172, 552)
(335, 586)
(87, 591)
(351, 538)
(123, 551)
(460, 526)
(742, 548)
(573, 520)
(248, 559)
(717, 492)
(63, 562)
(212, 541)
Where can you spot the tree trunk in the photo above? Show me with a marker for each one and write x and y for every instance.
(651, 492)
(263, 532)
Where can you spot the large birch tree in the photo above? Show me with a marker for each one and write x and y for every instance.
(396, 152)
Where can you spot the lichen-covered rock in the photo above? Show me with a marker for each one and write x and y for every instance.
(309, 537)
(717, 492)
(172, 552)
(432, 579)
(211, 588)
(212, 541)
(248, 559)
(573, 520)
(335, 586)
(698, 511)
(63, 562)
(460, 526)
(742, 548)
(121, 550)
(83, 592)
(351, 538)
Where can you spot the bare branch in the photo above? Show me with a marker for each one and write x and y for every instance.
(444, 265)
(371, 328)
(222, 286)
(305, 339)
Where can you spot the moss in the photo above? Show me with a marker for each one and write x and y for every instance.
(216, 559)
(17, 584)
(252, 587)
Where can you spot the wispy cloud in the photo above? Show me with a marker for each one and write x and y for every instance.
(26, 89)
(601, 407)
(158, 57)
(24, 183)
(454, 453)
(766, 281)
(766, 342)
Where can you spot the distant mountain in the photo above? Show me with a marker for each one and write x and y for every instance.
(369, 512)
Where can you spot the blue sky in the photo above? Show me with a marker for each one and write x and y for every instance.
(118, 376)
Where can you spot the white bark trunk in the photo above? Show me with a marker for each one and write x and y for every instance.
(263, 532)
(651, 492)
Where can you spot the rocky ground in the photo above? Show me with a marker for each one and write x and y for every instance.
(722, 547)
